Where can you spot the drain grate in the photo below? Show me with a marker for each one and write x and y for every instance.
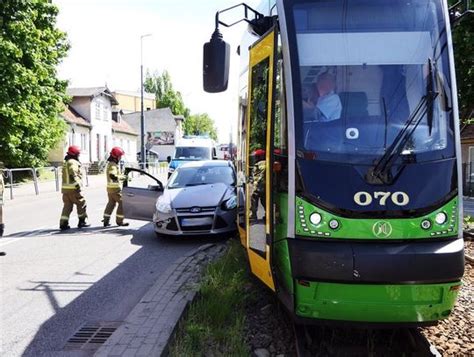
(91, 336)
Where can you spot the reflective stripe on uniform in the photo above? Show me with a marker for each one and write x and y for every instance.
(120, 216)
(64, 218)
(69, 187)
(113, 185)
(106, 215)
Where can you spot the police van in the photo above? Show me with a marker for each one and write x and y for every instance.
(191, 148)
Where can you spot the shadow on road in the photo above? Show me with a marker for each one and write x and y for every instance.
(113, 296)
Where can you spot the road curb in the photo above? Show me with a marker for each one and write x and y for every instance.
(150, 326)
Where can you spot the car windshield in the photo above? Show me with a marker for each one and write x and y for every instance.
(192, 153)
(364, 69)
(204, 175)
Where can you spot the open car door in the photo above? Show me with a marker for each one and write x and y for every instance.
(139, 194)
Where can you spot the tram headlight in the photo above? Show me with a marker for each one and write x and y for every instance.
(426, 224)
(334, 224)
(441, 218)
(315, 218)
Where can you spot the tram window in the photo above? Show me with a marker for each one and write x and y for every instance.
(256, 184)
(373, 85)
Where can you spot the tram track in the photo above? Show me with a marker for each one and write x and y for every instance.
(338, 341)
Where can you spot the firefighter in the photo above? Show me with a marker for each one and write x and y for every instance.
(2, 186)
(258, 183)
(114, 189)
(71, 189)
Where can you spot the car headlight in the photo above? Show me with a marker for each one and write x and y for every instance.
(231, 203)
(171, 169)
(163, 206)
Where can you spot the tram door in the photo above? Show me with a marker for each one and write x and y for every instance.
(259, 156)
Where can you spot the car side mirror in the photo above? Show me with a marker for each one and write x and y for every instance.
(168, 159)
(216, 64)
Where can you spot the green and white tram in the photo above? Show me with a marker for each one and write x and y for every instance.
(349, 156)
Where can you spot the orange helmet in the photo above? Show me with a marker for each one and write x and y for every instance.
(74, 150)
(117, 152)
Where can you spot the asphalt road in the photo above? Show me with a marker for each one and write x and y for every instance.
(53, 283)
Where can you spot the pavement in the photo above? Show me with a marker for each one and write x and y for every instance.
(149, 327)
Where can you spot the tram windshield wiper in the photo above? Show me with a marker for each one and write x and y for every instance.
(381, 172)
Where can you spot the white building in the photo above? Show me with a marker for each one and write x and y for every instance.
(91, 127)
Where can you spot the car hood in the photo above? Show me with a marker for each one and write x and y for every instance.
(199, 196)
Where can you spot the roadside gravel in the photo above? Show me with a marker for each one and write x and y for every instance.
(455, 336)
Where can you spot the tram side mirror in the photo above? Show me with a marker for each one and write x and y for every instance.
(168, 159)
(216, 64)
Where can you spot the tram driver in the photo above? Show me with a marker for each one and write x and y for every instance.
(323, 104)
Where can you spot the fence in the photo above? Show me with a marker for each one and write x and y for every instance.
(153, 168)
(8, 174)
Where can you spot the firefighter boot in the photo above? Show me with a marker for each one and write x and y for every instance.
(82, 223)
(64, 226)
(123, 224)
(106, 221)
(2, 228)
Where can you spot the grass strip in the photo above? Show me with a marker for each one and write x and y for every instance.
(214, 324)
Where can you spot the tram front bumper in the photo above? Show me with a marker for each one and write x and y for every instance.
(390, 282)
(387, 262)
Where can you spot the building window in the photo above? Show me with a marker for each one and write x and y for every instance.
(97, 110)
(84, 142)
(104, 111)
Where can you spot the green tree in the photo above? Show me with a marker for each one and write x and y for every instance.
(31, 97)
(200, 124)
(463, 40)
(166, 96)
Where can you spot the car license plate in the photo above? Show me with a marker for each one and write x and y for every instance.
(189, 222)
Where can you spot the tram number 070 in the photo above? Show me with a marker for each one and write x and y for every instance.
(399, 198)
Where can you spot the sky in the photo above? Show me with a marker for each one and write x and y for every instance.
(105, 48)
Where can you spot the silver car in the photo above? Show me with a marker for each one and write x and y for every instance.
(199, 199)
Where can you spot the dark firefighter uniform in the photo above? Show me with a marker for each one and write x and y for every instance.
(71, 190)
(114, 189)
(258, 184)
(2, 187)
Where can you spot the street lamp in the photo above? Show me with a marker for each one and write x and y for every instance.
(142, 117)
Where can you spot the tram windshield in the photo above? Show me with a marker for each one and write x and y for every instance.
(365, 69)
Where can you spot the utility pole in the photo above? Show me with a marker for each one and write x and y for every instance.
(142, 116)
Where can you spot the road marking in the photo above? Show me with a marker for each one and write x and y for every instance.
(6, 241)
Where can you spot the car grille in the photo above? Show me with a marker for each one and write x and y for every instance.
(206, 227)
(203, 209)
